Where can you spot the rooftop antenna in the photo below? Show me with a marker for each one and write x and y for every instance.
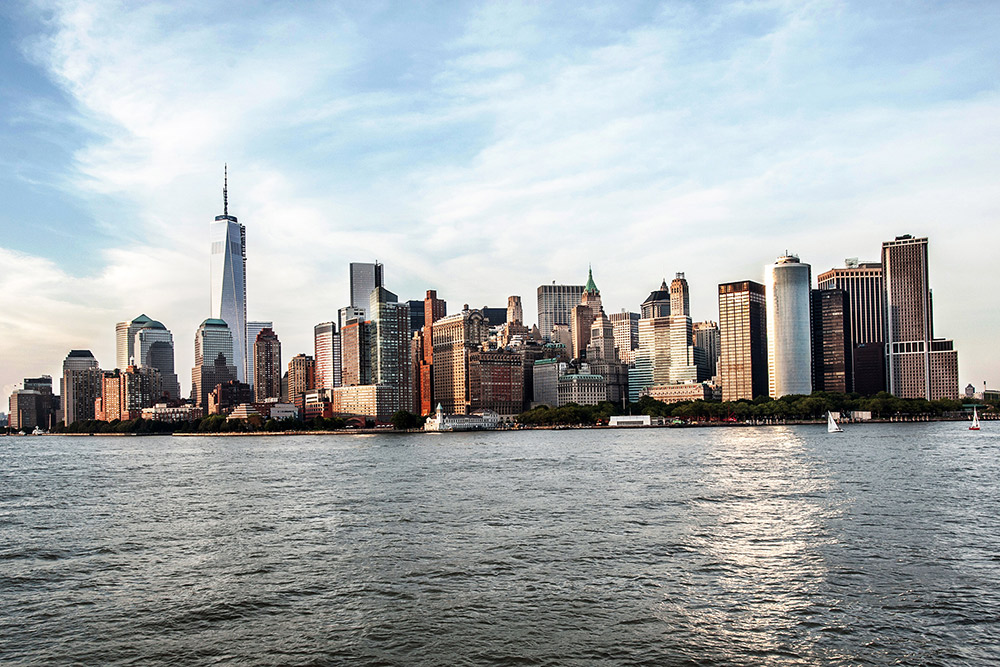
(225, 190)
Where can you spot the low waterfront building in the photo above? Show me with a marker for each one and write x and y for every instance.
(630, 420)
(375, 401)
(582, 389)
(243, 411)
(164, 412)
(478, 420)
(688, 391)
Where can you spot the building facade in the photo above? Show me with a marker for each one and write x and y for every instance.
(742, 340)
(706, 337)
(454, 338)
(833, 358)
(213, 359)
(555, 306)
(229, 280)
(80, 386)
(364, 278)
(326, 346)
(919, 365)
(865, 287)
(789, 346)
(625, 328)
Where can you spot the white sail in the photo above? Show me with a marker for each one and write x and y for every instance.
(975, 420)
(831, 424)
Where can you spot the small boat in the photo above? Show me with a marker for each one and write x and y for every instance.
(38, 431)
(831, 424)
(975, 420)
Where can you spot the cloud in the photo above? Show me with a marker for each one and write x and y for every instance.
(495, 147)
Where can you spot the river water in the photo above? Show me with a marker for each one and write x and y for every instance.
(713, 546)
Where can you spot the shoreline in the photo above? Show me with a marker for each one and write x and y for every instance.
(377, 431)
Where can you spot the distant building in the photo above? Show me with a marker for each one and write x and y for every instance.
(267, 366)
(434, 309)
(480, 420)
(625, 327)
(546, 374)
(391, 364)
(680, 299)
(163, 412)
(657, 304)
(364, 278)
(125, 393)
(742, 340)
(416, 315)
(25, 410)
(372, 401)
(356, 341)
(706, 337)
(229, 281)
(920, 365)
(496, 378)
(454, 338)
(555, 305)
(865, 288)
(213, 359)
(153, 348)
(833, 356)
(582, 389)
(326, 341)
(652, 359)
(301, 378)
(514, 311)
(789, 347)
(80, 386)
(582, 317)
(225, 397)
(254, 328)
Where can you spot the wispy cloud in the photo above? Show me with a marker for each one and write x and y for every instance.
(492, 147)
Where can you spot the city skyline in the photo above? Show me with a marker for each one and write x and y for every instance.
(538, 176)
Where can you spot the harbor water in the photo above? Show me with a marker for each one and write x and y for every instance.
(694, 546)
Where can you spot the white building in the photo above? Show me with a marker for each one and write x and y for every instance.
(478, 420)
(789, 344)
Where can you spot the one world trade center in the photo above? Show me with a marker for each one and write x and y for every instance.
(229, 278)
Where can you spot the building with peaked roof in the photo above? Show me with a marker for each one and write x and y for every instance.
(229, 280)
(582, 316)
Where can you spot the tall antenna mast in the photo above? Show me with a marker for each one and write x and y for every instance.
(225, 190)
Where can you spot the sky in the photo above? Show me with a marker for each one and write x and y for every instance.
(483, 149)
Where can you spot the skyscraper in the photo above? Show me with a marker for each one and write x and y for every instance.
(919, 365)
(266, 366)
(626, 331)
(154, 349)
(833, 367)
(326, 341)
(213, 355)
(657, 304)
(80, 386)
(706, 336)
(254, 328)
(789, 346)
(125, 340)
(680, 300)
(391, 363)
(742, 340)
(229, 279)
(514, 311)
(863, 282)
(454, 338)
(555, 305)
(434, 310)
(582, 316)
(301, 378)
(364, 278)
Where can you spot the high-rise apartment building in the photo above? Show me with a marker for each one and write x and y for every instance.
(626, 332)
(229, 279)
(326, 341)
(254, 328)
(266, 366)
(301, 378)
(356, 341)
(364, 278)
(706, 336)
(391, 362)
(555, 306)
(496, 382)
(80, 386)
(789, 346)
(919, 365)
(865, 288)
(454, 338)
(126, 392)
(742, 340)
(833, 365)
(213, 359)
(680, 299)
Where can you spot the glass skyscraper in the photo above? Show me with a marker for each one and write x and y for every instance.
(229, 279)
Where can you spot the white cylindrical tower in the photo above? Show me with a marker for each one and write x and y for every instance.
(789, 345)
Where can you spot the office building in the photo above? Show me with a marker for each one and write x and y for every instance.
(434, 310)
(213, 359)
(125, 339)
(657, 304)
(687, 362)
(416, 315)
(391, 363)
(356, 341)
(454, 337)
(555, 306)
(496, 317)
(364, 278)
(789, 346)
(326, 344)
(496, 379)
(80, 386)
(706, 337)
(625, 326)
(919, 365)
(254, 328)
(229, 280)
(267, 366)
(833, 359)
(680, 299)
(865, 287)
(301, 379)
(582, 317)
(582, 389)
(742, 340)
(652, 359)
(25, 407)
(125, 393)
(146, 343)
(514, 311)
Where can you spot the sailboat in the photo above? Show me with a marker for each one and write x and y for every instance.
(831, 424)
(975, 420)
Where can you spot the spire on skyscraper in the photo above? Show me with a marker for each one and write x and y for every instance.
(225, 189)
(591, 287)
